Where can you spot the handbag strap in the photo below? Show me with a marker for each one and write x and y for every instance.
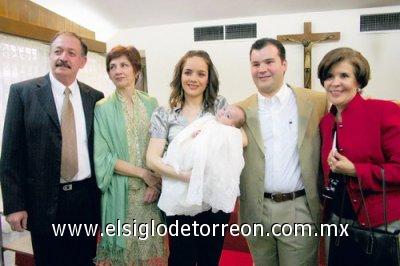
(344, 180)
(363, 201)
(342, 203)
(384, 198)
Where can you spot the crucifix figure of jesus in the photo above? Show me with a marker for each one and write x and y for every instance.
(308, 39)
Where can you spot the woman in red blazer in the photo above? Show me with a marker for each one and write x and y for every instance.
(359, 138)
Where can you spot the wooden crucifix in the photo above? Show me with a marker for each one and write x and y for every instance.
(308, 39)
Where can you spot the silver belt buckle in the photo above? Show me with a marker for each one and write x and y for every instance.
(67, 187)
(273, 196)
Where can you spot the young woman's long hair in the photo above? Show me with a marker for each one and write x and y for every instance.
(177, 97)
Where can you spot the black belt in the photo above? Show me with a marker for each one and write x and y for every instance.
(76, 184)
(279, 197)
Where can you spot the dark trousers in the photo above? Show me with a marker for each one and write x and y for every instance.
(77, 206)
(205, 250)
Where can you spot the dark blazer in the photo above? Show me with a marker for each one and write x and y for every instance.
(369, 136)
(31, 150)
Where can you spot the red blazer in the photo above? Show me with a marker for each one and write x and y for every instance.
(369, 136)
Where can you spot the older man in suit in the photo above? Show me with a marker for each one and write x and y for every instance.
(47, 174)
(279, 181)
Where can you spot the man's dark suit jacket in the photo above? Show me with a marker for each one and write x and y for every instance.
(31, 152)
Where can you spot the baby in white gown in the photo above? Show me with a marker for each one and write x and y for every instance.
(211, 147)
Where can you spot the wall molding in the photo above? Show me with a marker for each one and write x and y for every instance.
(30, 31)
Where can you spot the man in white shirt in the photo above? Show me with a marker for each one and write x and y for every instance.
(279, 181)
(47, 173)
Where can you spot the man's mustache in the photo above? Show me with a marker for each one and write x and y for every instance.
(62, 63)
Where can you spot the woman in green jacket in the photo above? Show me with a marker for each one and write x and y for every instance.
(129, 190)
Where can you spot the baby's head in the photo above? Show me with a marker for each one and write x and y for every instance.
(232, 115)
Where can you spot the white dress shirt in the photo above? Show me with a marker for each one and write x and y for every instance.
(279, 126)
(80, 124)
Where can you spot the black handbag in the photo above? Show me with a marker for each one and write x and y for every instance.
(366, 246)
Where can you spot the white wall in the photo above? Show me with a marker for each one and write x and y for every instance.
(165, 44)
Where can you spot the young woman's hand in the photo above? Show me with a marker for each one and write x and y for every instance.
(185, 176)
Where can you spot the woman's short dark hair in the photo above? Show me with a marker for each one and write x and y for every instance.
(177, 96)
(360, 65)
(130, 52)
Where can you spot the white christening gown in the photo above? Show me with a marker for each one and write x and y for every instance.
(215, 157)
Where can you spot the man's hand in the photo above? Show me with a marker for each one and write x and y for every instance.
(151, 194)
(18, 220)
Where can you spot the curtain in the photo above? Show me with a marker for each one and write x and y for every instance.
(22, 59)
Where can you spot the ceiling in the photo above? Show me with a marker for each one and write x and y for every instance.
(119, 14)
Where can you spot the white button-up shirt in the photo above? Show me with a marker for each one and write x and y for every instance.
(80, 124)
(279, 126)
